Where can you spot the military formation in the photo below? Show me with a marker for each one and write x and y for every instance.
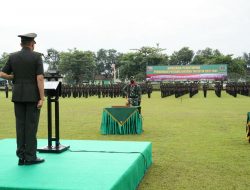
(234, 88)
(101, 91)
(218, 88)
(178, 89)
(167, 89)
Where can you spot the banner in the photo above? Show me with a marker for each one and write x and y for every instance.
(187, 72)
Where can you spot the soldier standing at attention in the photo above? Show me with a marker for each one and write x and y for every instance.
(99, 90)
(75, 94)
(133, 92)
(149, 89)
(205, 87)
(161, 88)
(25, 67)
(6, 88)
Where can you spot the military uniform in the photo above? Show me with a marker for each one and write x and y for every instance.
(99, 90)
(69, 91)
(75, 93)
(25, 66)
(205, 87)
(218, 88)
(133, 92)
(149, 89)
(6, 90)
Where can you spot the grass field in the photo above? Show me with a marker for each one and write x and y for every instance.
(198, 143)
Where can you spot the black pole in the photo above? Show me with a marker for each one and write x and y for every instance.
(53, 95)
(57, 122)
(49, 122)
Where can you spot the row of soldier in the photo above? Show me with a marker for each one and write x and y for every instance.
(167, 89)
(106, 90)
(235, 88)
(218, 88)
(178, 89)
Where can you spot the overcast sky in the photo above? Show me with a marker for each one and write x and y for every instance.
(127, 24)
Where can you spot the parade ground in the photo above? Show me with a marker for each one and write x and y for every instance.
(197, 143)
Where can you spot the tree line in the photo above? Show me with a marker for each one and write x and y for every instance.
(79, 66)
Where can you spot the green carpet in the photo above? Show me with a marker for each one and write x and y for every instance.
(78, 170)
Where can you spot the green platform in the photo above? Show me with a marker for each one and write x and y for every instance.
(78, 170)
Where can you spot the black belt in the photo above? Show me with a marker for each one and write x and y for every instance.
(24, 82)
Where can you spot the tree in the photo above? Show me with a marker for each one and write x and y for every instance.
(246, 58)
(52, 59)
(134, 64)
(236, 66)
(182, 57)
(77, 66)
(152, 56)
(104, 61)
(3, 59)
(129, 66)
(101, 61)
(237, 69)
(206, 56)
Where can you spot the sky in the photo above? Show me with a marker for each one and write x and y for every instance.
(127, 24)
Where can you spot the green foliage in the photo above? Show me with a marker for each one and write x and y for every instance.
(206, 56)
(52, 59)
(246, 58)
(77, 66)
(134, 64)
(236, 66)
(129, 66)
(3, 59)
(152, 56)
(104, 61)
(101, 60)
(236, 69)
(182, 57)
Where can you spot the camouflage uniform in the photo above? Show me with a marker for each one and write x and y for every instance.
(133, 93)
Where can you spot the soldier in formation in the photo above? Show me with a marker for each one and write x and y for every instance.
(6, 89)
(178, 89)
(87, 90)
(205, 88)
(149, 89)
(218, 88)
(181, 89)
(231, 89)
(193, 89)
(235, 88)
(167, 89)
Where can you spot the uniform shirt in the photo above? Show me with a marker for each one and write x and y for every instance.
(25, 66)
(132, 91)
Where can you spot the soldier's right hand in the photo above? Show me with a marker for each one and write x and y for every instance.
(40, 104)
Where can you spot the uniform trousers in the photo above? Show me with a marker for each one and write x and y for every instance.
(27, 118)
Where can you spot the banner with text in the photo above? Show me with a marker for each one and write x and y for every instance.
(187, 72)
